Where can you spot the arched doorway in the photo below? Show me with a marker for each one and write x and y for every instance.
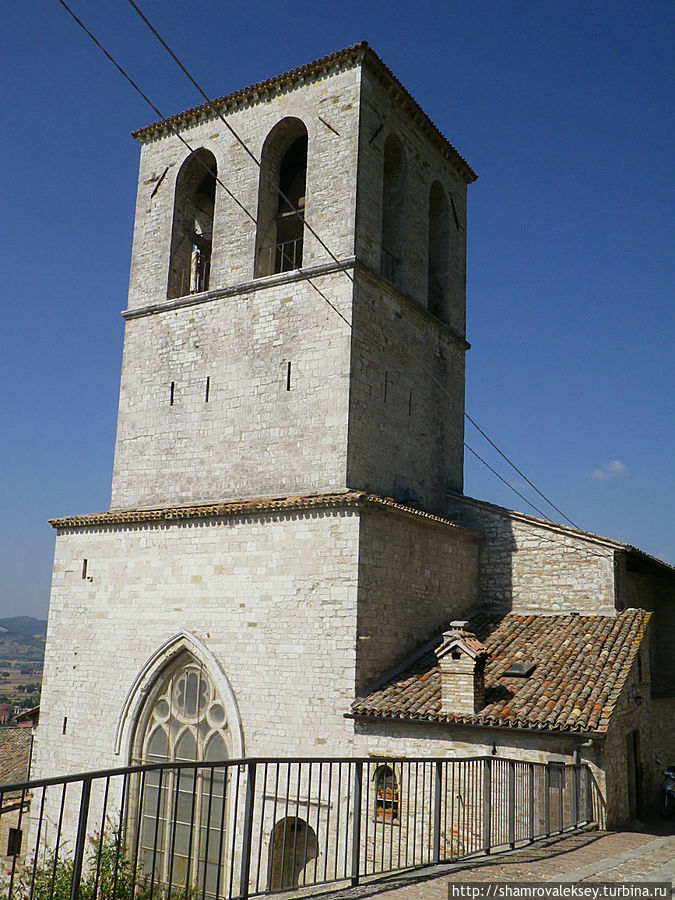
(293, 848)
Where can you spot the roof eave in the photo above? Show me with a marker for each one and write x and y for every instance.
(504, 727)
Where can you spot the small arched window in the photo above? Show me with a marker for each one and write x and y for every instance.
(183, 720)
(386, 794)
(394, 186)
(192, 230)
(281, 199)
(439, 249)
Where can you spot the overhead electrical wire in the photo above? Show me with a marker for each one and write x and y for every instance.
(186, 144)
(228, 125)
(165, 121)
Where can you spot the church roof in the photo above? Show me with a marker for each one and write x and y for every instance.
(15, 747)
(580, 666)
(341, 59)
(255, 505)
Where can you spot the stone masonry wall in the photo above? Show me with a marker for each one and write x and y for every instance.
(414, 578)
(633, 712)
(331, 183)
(406, 418)
(529, 566)
(272, 598)
(261, 432)
(380, 117)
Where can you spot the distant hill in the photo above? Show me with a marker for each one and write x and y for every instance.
(25, 626)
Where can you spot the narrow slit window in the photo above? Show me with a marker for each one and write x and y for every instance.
(84, 568)
(288, 377)
(207, 389)
(171, 393)
(65, 724)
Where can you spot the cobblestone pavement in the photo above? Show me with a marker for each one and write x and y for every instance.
(587, 857)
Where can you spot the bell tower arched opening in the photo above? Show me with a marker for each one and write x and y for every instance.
(439, 249)
(281, 199)
(394, 186)
(192, 230)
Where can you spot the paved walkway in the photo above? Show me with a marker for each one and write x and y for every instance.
(587, 857)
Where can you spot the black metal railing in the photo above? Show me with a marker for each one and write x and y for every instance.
(257, 826)
(194, 279)
(390, 267)
(285, 256)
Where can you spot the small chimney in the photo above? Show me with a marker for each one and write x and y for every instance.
(461, 661)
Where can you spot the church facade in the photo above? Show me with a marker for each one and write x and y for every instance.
(288, 542)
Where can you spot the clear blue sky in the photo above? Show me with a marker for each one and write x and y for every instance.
(565, 110)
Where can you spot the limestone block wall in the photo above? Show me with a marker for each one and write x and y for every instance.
(634, 712)
(209, 408)
(414, 578)
(271, 598)
(380, 117)
(406, 415)
(647, 584)
(331, 182)
(527, 565)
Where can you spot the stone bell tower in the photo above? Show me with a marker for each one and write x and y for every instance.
(296, 327)
(290, 418)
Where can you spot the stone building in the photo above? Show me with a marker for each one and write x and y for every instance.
(288, 541)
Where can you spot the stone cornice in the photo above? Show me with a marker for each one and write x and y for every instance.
(354, 500)
(358, 54)
(245, 287)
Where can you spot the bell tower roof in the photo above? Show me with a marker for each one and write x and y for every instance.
(357, 54)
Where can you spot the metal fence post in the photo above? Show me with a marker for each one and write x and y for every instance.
(248, 830)
(589, 795)
(487, 803)
(512, 804)
(531, 803)
(356, 828)
(574, 797)
(438, 786)
(81, 839)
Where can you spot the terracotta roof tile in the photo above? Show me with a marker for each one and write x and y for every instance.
(15, 744)
(252, 506)
(581, 663)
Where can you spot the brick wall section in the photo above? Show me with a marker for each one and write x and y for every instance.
(414, 578)
(528, 566)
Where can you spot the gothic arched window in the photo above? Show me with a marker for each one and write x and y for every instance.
(192, 230)
(439, 249)
(182, 810)
(281, 199)
(394, 185)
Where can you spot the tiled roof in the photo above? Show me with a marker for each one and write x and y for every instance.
(581, 663)
(346, 58)
(253, 506)
(15, 744)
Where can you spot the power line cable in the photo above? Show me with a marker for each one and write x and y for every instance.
(306, 277)
(228, 125)
(522, 474)
(211, 106)
(180, 137)
(495, 472)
